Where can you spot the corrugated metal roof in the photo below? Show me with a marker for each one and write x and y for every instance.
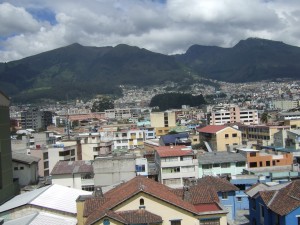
(42, 218)
(22, 199)
(220, 157)
(55, 197)
(60, 198)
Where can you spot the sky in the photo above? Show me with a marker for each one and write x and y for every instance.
(29, 27)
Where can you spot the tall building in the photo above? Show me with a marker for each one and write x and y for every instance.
(7, 186)
(234, 115)
(162, 121)
(36, 119)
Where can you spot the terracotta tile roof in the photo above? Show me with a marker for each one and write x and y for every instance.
(287, 199)
(111, 214)
(140, 216)
(212, 129)
(267, 196)
(207, 207)
(69, 167)
(219, 184)
(170, 153)
(94, 208)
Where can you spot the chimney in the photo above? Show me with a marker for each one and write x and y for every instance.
(98, 192)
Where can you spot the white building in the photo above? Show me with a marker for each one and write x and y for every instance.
(128, 139)
(74, 174)
(175, 163)
(234, 115)
(141, 166)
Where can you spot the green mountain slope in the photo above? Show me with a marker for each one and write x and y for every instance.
(78, 71)
(250, 60)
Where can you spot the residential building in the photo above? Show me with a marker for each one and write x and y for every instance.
(64, 151)
(141, 166)
(55, 198)
(123, 113)
(286, 104)
(163, 121)
(288, 139)
(221, 164)
(263, 134)
(226, 193)
(114, 169)
(36, 119)
(244, 182)
(145, 201)
(266, 158)
(94, 145)
(220, 137)
(8, 188)
(294, 115)
(175, 163)
(74, 174)
(233, 114)
(293, 123)
(25, 168)
(128, 139)
(273, 205)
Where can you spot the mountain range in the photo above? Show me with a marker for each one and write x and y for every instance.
(77, 71)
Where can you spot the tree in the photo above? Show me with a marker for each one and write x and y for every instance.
(265, 117)
(102, 103)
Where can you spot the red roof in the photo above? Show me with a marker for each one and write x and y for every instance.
(212, 129)
(167, 151)
(207, 207)
(94, 208)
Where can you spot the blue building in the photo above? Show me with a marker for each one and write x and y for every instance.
(244, 182)
(275, 205)
(226, 193)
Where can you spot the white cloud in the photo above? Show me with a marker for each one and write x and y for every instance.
(169, 27)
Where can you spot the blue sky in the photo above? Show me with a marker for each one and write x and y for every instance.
(165, 26)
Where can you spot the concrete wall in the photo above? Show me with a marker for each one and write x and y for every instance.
(112, 170)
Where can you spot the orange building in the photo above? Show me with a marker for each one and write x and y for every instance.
(268, 158)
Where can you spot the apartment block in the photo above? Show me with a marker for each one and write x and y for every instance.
(175, 163)
(128, 139)
(122, 113)
(233, 115)
(219, 137)
(262, 133)
(36, 119)
(163, 121)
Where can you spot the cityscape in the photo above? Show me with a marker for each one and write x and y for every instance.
(152, 112)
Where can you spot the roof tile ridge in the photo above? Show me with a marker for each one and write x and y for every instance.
(273, 198)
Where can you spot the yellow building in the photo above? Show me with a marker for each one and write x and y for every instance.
(163, 121)
(145, 201)
(294, 124)
(220, 137)
(262, 133)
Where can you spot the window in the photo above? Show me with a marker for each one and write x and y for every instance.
(142, 203)
(260, 164)
(45, 155)
(206, 166)
(21, 168)
(208, 221)
(234, 135)
(253, 164)
(240, 164)
(224, 195)
(16, 168)
(277, 219)
(216, 165)
(171, 170)
(268, 163)
(140, 168)
(175, 222)
(262, 214)
(239, 199)
(73, 152)
(46, 165)
(252, 154)
(226, 135)
(225, 165)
